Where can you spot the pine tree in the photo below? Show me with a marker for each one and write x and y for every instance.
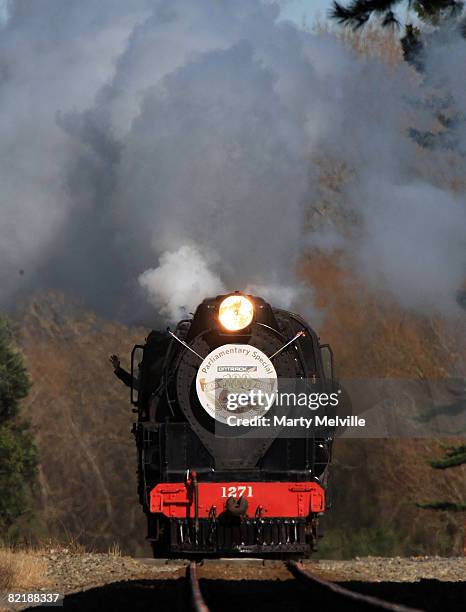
(18, 454)
(454, 456)
(443, 17)
(358, 12)
(433, 12)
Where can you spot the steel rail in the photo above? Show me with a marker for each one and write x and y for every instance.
(197, 601)
(366, 602)
(358, 600)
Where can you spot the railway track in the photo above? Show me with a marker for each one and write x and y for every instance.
(317, 590)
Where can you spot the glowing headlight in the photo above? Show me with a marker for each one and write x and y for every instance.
(235, 312)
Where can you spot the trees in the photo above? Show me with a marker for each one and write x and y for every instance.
(445, 22)
(14, 381)
(18, 454)
(454, 456)
(358, 12)
(432, 12)
(444, 18)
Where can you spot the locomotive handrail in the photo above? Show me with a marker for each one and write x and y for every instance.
(184, 344)
(272, 329)
(295, 337)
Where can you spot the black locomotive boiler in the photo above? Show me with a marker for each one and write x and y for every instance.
(209, 491)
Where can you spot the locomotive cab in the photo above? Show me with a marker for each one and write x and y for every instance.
(204, 488)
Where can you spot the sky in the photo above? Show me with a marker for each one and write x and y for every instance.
(301, 12)
(295, 10)
(307, 10)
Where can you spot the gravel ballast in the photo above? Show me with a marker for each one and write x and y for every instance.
(71, 571)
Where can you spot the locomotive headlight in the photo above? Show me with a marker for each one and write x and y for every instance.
(235, 312)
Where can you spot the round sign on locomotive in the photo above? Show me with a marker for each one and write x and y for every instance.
(205, 493)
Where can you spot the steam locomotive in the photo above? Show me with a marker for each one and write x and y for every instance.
(208, 488)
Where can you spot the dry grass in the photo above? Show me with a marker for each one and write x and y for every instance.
(66, 544)
(115, 550)
(22, 570)
(371, 41)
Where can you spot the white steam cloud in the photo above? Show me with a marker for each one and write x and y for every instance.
(184, 132)
(181, 281)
